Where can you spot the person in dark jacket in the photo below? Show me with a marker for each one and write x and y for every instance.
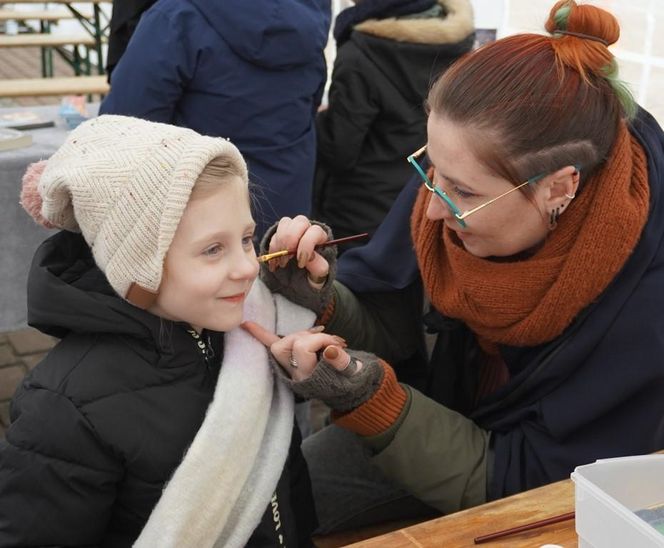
(155, 421)
(253, 72)
(389, 52)
(124, 19)
(535, 228)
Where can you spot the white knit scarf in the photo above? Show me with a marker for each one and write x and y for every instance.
(218, 494)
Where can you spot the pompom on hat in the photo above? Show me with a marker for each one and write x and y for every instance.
(124, 184)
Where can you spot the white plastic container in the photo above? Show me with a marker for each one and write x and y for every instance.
(608, 493)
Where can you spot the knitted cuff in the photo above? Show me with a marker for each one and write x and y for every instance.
(291, 281)
(380, 412)
(341, 390)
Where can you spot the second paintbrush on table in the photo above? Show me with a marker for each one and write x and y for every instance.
(284, 252)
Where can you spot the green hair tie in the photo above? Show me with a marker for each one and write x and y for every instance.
(621, 89)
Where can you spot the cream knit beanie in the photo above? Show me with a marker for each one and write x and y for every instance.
(124, 184)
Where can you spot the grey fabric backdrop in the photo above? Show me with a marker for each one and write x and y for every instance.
(19, 234)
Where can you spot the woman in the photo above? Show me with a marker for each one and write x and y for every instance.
(536, 226)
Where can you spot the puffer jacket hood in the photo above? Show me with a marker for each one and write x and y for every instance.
(412, 51)
(68, 293)
(268, 33)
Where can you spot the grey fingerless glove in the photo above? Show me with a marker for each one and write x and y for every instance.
(340, 390)
(292, 281)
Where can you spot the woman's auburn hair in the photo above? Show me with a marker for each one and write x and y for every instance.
(538, 103)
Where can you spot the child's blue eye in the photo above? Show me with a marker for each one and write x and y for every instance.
(212, 250)
(248, 241)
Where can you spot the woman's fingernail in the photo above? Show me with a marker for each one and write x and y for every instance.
(331, 353)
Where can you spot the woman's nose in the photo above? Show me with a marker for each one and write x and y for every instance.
(438, 210)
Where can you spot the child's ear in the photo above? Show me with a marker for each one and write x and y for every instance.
(562, 186)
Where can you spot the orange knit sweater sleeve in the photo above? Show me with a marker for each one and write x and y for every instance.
(380, 411)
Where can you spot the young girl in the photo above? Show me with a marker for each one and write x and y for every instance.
(155, 421)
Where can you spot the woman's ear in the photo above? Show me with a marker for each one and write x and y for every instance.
(561, 187)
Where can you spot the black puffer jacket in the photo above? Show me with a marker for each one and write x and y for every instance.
(103, 421)
(376, 115)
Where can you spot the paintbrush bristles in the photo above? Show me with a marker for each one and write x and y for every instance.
(268, 256)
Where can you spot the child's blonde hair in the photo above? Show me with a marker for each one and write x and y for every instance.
(217, 172)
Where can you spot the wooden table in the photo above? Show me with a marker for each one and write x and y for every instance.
(460, 529)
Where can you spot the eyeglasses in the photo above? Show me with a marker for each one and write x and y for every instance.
(458, 214)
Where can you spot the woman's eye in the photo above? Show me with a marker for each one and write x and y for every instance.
(248, 241)
(462, 193)
(212, 250)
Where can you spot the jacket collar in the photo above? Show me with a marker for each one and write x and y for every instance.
(454, 26)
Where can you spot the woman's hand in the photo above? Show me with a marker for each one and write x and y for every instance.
(307, 278)
(299, 235)
(298, 353)
(342, 379)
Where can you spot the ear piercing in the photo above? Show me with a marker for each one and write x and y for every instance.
(553, 218)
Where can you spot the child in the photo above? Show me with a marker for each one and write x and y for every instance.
(155, 420)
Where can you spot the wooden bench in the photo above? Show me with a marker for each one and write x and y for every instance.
(34, 15)
(44, 40)
(55, 1)
(96, 24)
(80, 63)
(44, 87)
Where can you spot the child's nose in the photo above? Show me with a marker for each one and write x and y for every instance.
(246, 266)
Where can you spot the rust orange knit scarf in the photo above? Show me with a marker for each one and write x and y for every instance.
(529, 302)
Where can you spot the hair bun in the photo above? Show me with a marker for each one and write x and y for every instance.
(30, 199)
(583, 21)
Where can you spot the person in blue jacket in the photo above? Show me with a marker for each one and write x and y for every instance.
(535, 229)
(252, 72)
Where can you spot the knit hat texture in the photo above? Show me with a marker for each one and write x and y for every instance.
(124, 184)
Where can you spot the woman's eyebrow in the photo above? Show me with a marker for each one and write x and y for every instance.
(454, 181)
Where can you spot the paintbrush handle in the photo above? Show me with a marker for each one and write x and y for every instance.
(286, 253)
(341, 240)
(522, 528)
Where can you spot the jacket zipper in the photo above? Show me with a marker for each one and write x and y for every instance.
(205, 348)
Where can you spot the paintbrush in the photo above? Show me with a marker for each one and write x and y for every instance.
(286, 252)
(522, 528)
